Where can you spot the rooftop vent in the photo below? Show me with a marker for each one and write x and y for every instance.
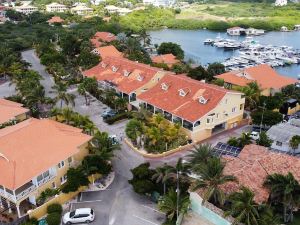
(103, 65)
(126, 73)
(182, 92)
(202, 100)
(140, 78)
(164, 86)
(114, 69)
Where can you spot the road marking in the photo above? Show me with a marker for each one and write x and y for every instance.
(89, 201)
(145, 220)
(153, 209)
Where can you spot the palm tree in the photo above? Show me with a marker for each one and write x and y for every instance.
(243, 207)
(60, 90)
(245, 139)
(144, 36)
(200, 154)
(67, 114)
(252, 92)
(284, 189)
(211, 178)
(102, 145)
(120, 103)
(162, 175)
(169, 204)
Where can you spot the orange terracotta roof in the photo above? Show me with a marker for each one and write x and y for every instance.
(55, 19)
(9, 110)
(128, 76)
(101, 37)
(107, 51)
(31, 147)
(168, 59)
(187, 107)
(263, 74)
(253, 165)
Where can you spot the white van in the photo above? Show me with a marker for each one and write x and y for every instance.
(83, 215)
(254, 135)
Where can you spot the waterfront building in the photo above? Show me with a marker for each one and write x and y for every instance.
(297, 27)
(11, 112)
(56, 7)
(267, 78)
(168, 59)
(111, 8)
(102, 37)
(253, 164)
(252, 31)
(107, 51)
(35, 155)
(284, 29)
(282, 133)
(26, 9)
(235, 31)
(81, 9)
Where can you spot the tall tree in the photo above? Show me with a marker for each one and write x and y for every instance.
(243, 208)
(294, 142)
(60, 89)
(284, 189)
(211, 179)
(200, 155)
(264, 140)
(169, 47)
(162, 175)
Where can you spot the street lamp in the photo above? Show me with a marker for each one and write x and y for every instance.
(262, 117)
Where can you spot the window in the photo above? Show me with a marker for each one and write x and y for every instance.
(241, 106)
(233, 109)
(164, 86)
(278, 143)
(202, 100)
(63, 179)
(126, 73)
(197, 123)
(226, 100)
(217, 115)
(61, 164)
(140, 78)
(114, 69)
(182, 93)
(53, 185)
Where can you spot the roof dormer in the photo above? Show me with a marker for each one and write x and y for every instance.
(164, 86)
(140, 78)
(114, 69)
(126, 73)
(202, 100)
(103, 64)
(182, 92)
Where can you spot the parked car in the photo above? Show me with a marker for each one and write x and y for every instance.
(82, 215)
(254, 135)
(108, 113)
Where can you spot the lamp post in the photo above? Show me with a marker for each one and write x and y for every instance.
(262, 117)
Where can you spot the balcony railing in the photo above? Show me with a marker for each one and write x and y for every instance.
(45, 180)
(7, 195)
(26, 192)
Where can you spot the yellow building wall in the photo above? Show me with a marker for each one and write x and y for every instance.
(21, 117)
(293, 110)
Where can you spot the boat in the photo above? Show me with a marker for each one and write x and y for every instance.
(209, 41)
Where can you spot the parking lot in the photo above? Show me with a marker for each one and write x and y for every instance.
(138, 211)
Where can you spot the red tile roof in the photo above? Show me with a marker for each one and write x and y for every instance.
(168, 59)
(33, 146)
(253, 165)
(138, 74)
(187, 107)
(107, 51)
(263, 74)
(9, 110)
(101, 37)
(55, 19)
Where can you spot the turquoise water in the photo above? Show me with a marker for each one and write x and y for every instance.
(191, 42)
(206, 213)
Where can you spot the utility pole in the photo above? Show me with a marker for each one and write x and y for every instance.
(262, 117)
(177, 191)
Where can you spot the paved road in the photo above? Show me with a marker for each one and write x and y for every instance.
(7, 90)
(47, 81)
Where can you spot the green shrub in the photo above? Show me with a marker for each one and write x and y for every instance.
(118, 117)
(54, 208)
(53, 218)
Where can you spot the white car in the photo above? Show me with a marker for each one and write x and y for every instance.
(83, 215)
(254, 135)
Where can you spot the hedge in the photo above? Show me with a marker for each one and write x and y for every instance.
(118, 117)
(53, 218)
(54, 208)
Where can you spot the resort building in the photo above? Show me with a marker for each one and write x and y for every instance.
(168, 59)
(252, 31)
(297, 27)
(201, 109)
(56, 7)
(128, 78)
(107, 51)
(267, 78)
(55, 19)
(102, 37)
(290, 106)
(111, 9)
(253, 164)
(35, 155)
(81, 9)
(11, 112)
(282, 133)
(26, 9)
(159, 3)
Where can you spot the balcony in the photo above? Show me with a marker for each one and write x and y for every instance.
(45, 179)
(8, 194)
(25, 190)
